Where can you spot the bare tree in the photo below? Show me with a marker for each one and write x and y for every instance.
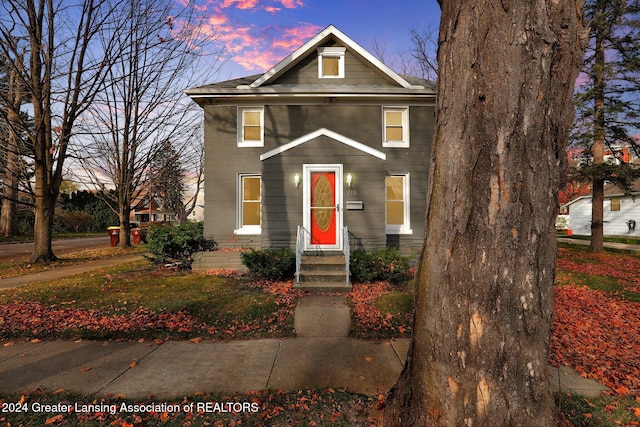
(419, 60)
(141, 102)
(176, 177)
(61, 69)
(484, 295)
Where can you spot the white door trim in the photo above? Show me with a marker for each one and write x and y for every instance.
(307, 169)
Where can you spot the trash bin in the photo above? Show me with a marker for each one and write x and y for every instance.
(136, 233)
(114, 233)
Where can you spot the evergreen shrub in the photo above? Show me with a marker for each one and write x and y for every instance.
(270, 264)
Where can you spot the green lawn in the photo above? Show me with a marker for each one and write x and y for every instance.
(180, 304)
(12, 269)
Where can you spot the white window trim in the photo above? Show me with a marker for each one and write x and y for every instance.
(246, 229)
(405, 143)
(406, 227)
(241, 141)
(333, 52)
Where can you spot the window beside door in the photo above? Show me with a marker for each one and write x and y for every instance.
(397, 219)
(250, 204)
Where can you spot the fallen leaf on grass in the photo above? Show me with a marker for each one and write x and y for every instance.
(133, 364)
(85, 369)
(53, 420)
(368, 359)
(197, 340)
(9, 344)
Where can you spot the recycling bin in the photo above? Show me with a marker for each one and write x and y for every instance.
(136, 234)
(114, 234)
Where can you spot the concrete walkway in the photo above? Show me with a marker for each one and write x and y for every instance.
(59, 272)
(611, 245)
(321, 356)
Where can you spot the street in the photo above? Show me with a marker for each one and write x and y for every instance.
(22, 251)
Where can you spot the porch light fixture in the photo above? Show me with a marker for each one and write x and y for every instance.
(296, 180)
(349, 180)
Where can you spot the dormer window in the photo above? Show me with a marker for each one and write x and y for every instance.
(331, 62)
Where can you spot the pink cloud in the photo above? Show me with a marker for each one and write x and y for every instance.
(291, 4)
(272, 10)
(239, 4)
(250, 45)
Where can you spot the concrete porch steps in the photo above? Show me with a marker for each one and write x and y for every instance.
(324, 273)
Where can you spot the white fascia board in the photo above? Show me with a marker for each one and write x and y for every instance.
(324, 132)
(311, 45)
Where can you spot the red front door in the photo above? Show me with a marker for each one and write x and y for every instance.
(323, 208)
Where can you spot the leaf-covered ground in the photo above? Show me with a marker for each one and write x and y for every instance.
(596, 328)
(144, 302)
(597, 319)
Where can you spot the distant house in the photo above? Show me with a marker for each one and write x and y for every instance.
(330, 139)
(147, 210)
(621, 213)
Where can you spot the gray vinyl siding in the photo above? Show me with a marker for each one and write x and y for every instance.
(224, 161)
(357, 72)
(282, 202)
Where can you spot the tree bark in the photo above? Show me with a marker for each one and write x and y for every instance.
(484, 298)
(8, 223)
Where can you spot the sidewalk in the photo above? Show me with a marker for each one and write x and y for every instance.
(612, 245)
(321, 356)
(71, 270)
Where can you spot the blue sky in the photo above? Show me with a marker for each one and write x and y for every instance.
(257, 34)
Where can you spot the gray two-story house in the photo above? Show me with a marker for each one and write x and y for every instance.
(328, 138)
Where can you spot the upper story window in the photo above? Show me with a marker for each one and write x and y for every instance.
(251, 127)
(331, 62)
(395, 132)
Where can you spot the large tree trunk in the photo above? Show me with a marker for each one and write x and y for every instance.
(597, 200)
(42, 230)
(8, 222)
(484, 287)
(8, 219)
(124, 211)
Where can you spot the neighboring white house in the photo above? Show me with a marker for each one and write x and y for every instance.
(621, 213)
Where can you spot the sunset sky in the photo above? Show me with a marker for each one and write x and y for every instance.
(257, 34)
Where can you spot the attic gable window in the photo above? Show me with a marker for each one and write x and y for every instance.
(331, 62)
(251, 127)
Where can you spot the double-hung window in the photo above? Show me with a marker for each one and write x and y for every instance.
(397, 220)
(250, 127)
(395, 127)
(615, 204)
(249, 204)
